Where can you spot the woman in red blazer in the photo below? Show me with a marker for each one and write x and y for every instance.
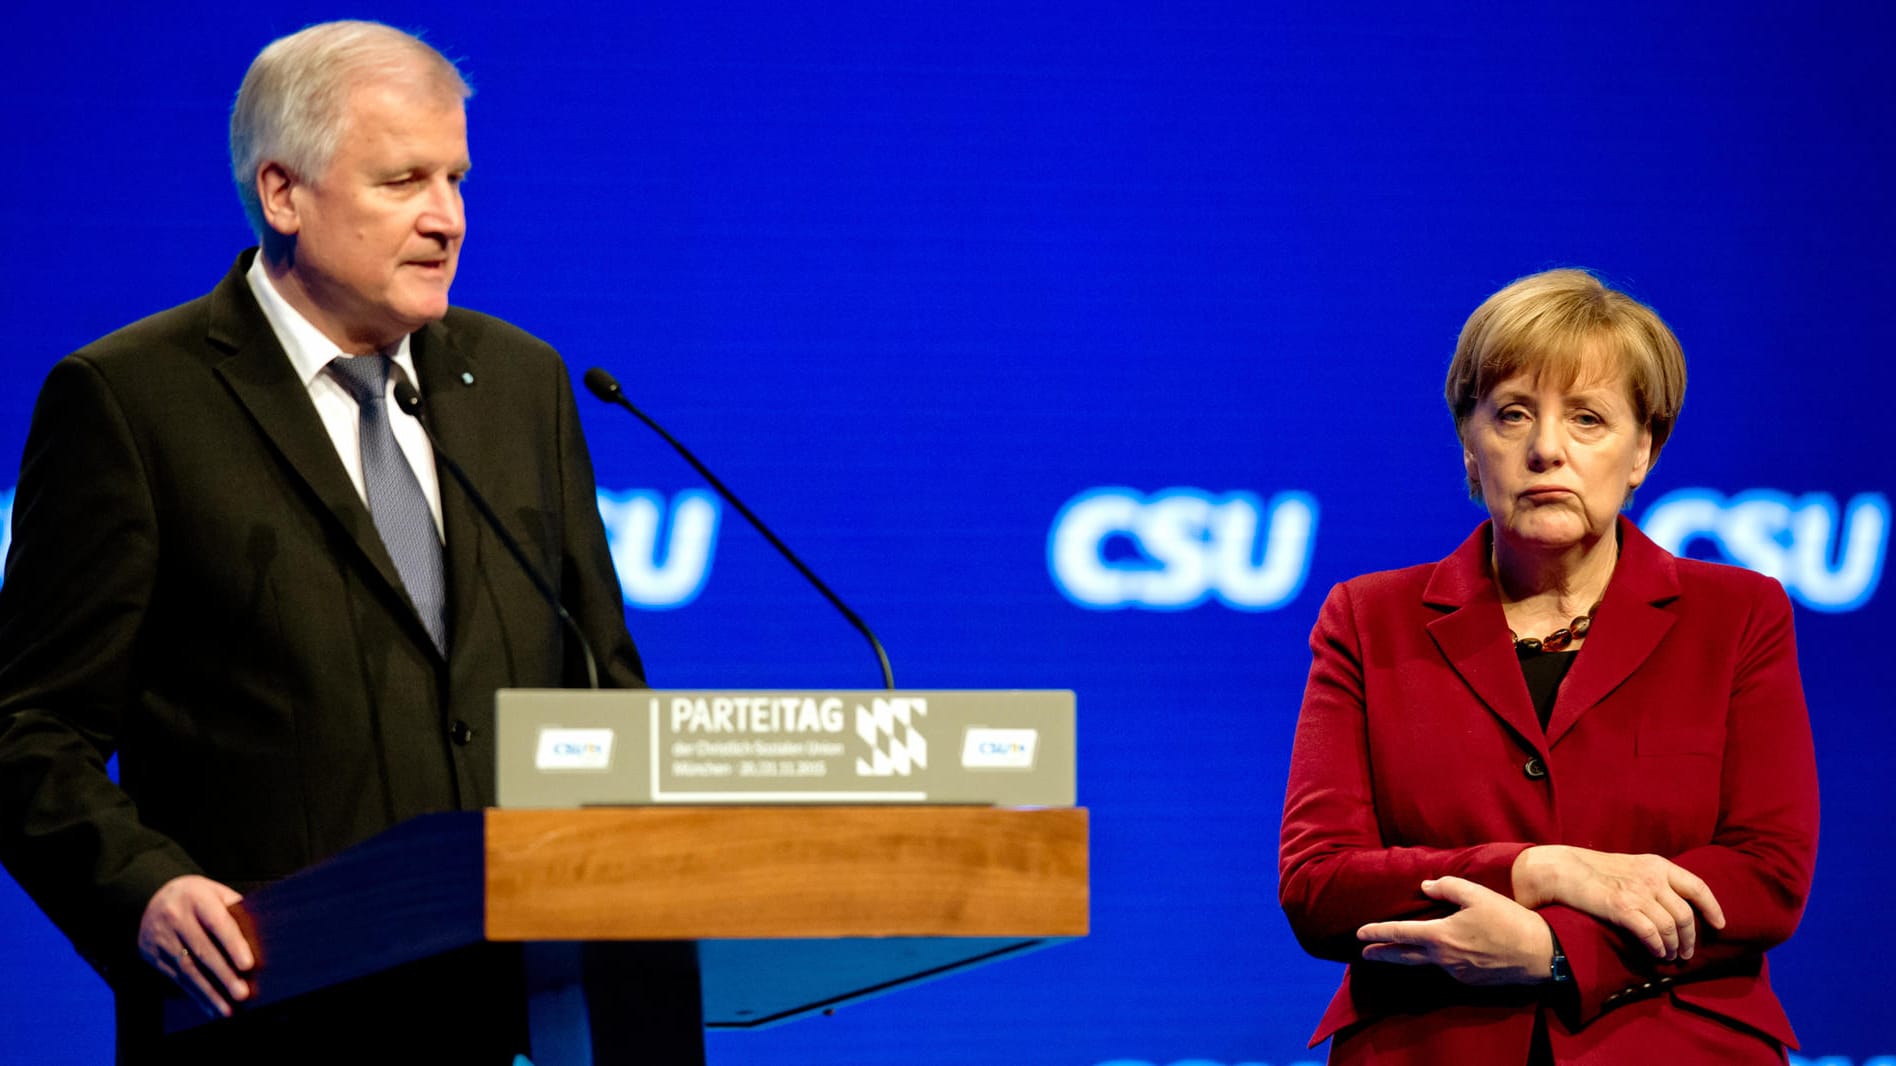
(1553, 797)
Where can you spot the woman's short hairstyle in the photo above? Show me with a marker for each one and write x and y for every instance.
(1554, 326)
(294, 100)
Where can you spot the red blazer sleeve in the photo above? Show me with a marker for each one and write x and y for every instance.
(1335, 871)
(1761, 855)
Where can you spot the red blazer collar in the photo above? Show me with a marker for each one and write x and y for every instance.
(1473, 634)
(1645, 572)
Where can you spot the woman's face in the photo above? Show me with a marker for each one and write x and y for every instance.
(1555, 464)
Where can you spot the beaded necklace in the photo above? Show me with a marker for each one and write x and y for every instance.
(1559, 638)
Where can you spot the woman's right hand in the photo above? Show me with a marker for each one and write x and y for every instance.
(1656, 900)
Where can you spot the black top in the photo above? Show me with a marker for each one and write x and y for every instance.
(1544, 670)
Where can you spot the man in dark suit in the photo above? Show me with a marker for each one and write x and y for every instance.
(233, 564)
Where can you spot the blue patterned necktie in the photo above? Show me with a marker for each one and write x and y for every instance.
(401, 512)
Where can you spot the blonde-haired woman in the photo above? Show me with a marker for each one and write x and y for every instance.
(1553, 797)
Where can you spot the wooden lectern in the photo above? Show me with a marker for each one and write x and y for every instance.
(645, 925)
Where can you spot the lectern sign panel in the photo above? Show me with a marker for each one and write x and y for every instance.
(563, 748)
(808, 748)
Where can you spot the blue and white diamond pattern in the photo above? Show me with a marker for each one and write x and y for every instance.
(896, 745)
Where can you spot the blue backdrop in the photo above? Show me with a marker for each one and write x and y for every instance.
(1083, 345)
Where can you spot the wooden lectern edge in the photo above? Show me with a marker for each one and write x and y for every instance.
(786, 872)
(423, 888)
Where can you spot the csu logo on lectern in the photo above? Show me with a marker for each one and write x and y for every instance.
(1116, 548)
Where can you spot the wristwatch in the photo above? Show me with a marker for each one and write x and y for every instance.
(1559, 970)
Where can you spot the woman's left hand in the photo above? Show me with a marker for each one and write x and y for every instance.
(1491, 940)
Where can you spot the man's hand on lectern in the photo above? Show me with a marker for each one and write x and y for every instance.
(188, 935)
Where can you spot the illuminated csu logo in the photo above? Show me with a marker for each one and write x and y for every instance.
(1116, 547)
(662, 553)
(1829, 558)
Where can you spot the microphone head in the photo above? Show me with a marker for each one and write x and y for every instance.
(602, 384)
(408, 399)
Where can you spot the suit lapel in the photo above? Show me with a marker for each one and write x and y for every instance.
(260, 376)
(450, 405)
(1472, 636)
(1629, 626)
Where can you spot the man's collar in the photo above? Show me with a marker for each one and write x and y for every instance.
(308, 349)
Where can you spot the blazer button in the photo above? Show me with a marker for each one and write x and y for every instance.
(461, 733)
(1534, 768)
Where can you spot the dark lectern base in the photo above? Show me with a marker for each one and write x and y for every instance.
(615, 1003)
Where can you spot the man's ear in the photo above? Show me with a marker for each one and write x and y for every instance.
(274, 185)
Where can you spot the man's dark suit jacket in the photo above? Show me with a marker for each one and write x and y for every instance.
(195, 585)
(1680, 731)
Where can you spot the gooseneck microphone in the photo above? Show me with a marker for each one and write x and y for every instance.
(409, 401)
(603, 385)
